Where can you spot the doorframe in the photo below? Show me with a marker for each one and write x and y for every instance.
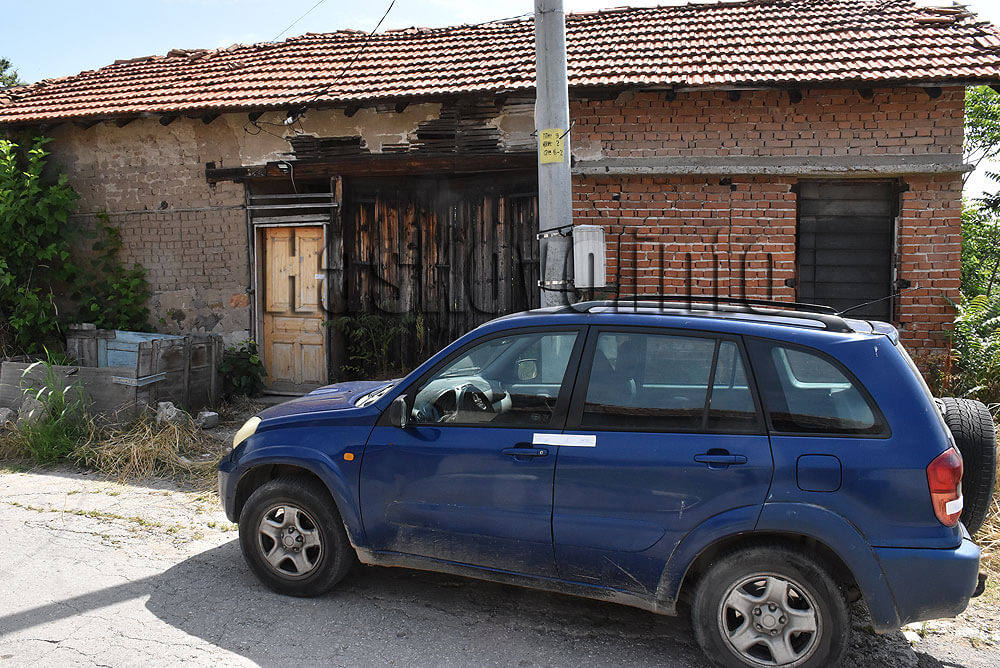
(257, 224)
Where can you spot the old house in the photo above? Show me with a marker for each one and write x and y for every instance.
(794, 149)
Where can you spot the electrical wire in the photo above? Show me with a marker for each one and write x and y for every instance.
(353, 60)
(290, 25)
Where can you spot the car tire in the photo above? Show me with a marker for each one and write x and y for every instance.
(793, 615)
(293, 538)
(972, 426)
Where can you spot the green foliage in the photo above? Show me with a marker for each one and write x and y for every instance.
(38, 269)
(242, 370)
(369, 337)
(34, 244)
(980, 250)
(110, 295)
(63, 423)
(982, 123)
(976, 348)
(8, 76)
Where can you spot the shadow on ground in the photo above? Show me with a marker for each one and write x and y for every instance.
(382, 616)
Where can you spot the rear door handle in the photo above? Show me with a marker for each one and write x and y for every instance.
(720, 460)
(525, 452)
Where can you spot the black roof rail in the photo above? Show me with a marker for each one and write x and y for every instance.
(825, 315)
(748, 301)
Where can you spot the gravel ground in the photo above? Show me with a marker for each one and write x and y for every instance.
(100, 573)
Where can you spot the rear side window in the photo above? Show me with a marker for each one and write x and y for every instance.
(663, 382)
(807, 392)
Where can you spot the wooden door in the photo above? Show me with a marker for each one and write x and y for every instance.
(294, 337)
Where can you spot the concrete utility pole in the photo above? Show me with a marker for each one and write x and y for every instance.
(555, 200)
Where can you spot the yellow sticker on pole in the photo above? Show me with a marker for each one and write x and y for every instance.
(552, 148)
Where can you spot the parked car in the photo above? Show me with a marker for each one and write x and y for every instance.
(764, 466)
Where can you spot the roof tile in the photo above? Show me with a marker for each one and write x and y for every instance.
(750, 43)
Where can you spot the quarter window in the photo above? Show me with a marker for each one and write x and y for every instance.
(661, 382)
(809, 393)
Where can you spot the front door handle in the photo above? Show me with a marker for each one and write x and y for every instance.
(719, 459)
(525, 452)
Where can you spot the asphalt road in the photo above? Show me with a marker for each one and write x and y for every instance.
(99, 574)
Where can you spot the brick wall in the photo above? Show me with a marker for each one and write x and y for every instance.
(902, 121)
(707, 231)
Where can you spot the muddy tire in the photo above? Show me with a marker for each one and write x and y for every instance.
(293, 538)
(972, 426)
(770, 606)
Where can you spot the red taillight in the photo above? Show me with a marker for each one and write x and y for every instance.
(944, 478)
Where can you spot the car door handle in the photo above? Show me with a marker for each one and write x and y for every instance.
(525, 452)
(720, 459)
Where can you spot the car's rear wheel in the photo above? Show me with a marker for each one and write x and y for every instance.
(972, 426)
(770, 606)
(293, 538)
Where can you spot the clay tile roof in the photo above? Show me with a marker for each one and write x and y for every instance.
(752, 43)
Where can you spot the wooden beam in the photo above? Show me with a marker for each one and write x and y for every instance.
(167, 120)
(866, 93)
(404, 164)
(122, 122)
(351, 109)
(735, 95)
(208, 118)
(670, 95)
(933, 92)
(794, 95)
(401, 106)
(254, 115)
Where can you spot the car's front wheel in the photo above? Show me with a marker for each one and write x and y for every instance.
(770, 606)
(293, 538)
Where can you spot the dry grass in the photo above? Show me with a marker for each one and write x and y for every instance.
(238, 409)
(145, 450)
(988, 536)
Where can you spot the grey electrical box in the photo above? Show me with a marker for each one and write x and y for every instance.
(589, 261)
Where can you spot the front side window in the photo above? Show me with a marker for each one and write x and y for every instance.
(511, 381)
(663, 382)
(806, 392)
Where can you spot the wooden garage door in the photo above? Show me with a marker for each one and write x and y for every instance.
(294, 341)
(845, 235)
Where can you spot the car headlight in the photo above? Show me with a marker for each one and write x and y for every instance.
(248, 429)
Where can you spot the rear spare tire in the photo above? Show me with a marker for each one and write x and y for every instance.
(972, 426)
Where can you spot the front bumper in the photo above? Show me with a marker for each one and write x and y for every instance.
(226, 490)
(930, 584)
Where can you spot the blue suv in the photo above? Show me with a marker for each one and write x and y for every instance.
(761, 467)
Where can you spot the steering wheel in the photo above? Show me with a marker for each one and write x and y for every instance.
(472, 399)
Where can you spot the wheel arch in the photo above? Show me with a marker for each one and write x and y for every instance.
(342, 494)
(845, 552)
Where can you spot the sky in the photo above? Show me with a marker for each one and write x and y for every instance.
(70, 36)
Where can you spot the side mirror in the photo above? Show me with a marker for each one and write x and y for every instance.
(527, 370)
(398, 413)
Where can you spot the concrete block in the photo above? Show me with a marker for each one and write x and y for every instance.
(207, 419)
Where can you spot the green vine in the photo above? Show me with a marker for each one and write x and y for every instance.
(113, 297)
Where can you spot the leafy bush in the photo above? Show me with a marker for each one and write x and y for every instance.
(980, 250)
(34, 244)
(242, 370)
(41, 280)
(976, 349)
(369, 337)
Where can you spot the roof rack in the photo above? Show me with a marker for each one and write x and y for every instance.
(690, 304)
